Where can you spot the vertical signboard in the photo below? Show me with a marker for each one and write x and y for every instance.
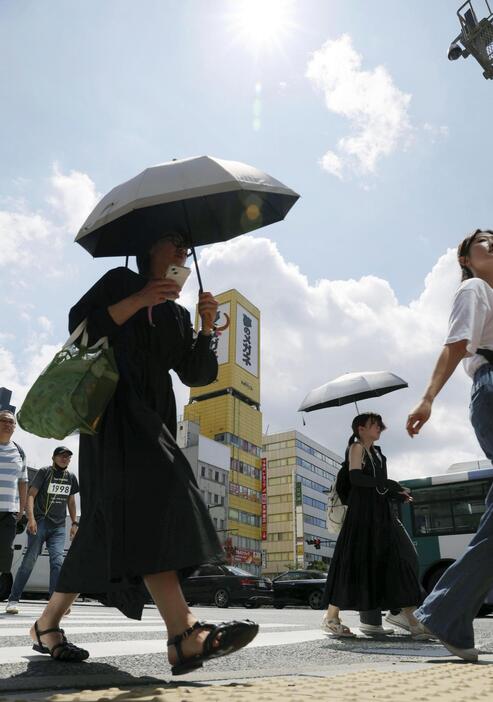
(264, 500)
(220, 341)
(246, 340)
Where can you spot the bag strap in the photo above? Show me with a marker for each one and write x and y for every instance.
(82, 330)
(22, 453)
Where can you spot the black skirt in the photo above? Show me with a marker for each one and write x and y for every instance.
(375, 564)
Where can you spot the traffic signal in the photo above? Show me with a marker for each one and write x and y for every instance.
(316, 543)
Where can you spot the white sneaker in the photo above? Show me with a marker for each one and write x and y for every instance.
(418, 632)
(12, 607)
(399, 620)
(375, 630)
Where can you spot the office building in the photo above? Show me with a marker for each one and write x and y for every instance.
(297, 472)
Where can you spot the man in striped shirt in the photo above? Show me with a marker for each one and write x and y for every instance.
(13, 488)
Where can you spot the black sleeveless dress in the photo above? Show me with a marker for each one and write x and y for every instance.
(375, 564)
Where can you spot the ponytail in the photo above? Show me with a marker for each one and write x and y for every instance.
(352, 439)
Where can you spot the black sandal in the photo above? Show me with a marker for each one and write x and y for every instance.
(232, 636)
(70, 652)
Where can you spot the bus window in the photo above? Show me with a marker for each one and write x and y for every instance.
(455, 508)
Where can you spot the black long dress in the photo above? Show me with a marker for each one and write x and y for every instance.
(375, 563)
(141, 509)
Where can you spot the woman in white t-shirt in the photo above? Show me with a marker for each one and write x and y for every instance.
(449, 611)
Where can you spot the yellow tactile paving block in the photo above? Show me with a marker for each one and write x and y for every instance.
(447, 682)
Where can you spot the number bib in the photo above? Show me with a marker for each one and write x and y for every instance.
(59, 489)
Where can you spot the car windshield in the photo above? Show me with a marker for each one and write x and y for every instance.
(238, 571)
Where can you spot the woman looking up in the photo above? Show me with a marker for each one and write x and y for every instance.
(143, 517)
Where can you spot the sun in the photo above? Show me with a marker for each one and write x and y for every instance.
(261, 23)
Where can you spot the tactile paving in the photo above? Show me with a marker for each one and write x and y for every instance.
(445, 682)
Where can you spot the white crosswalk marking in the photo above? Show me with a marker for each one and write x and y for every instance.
(89, 620)
(111, 649)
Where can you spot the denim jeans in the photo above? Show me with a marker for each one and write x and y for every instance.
(54, 537)
(449, 610)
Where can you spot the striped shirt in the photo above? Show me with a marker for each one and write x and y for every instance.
(12, 469)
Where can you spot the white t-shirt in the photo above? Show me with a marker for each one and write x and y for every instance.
(471, 319)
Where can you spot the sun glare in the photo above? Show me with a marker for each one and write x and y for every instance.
(261, 23)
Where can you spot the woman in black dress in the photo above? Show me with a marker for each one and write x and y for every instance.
(375, 564)
(143, 517)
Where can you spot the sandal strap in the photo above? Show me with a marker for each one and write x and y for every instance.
(53, 630)
(185, 634)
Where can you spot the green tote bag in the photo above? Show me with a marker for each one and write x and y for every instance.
(72, 393)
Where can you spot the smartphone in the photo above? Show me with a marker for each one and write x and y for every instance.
(179, 274)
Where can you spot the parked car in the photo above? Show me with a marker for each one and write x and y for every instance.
(223, 585)
(299, 587)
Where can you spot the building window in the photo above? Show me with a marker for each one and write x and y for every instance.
(283, 517)
(202, 471)
(216, 476)
(209, 474)
(244, 517)
(281, 480)
(314, 503)
(216, 499)
(280, 536)
(209, 497)
(315, 521)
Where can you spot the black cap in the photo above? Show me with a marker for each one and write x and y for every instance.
(62, 449)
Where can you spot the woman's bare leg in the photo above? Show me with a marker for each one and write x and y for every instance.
(167, 594)
(52, 615)
(332, 612)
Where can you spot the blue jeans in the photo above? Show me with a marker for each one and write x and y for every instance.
(449, 610)
(54, 536)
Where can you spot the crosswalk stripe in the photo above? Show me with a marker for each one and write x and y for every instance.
(115, 649)
(124, 626)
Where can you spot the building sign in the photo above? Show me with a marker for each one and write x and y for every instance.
(246, 340)
(264, 500)
(243, 555)
(299, 494)
(220, 340)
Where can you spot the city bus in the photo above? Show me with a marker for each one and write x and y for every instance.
(443, 518)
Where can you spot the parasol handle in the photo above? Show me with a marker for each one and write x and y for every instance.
(194, 254)
(357, 408)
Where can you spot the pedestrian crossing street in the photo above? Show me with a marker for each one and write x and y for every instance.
(88, 620)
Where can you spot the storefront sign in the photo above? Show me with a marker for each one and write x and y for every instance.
(246, 340)
(243, 555)
(299, 494)
(264, 500)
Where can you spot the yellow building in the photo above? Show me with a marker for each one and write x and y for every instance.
(228, 410)
(299, 472)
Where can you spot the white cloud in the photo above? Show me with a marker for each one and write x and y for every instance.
(35, 239)
(45, 324)
(377, 110)
(21, 234)
(314, 332)
(74, 196)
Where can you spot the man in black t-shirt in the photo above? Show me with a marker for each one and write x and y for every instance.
(52, 490)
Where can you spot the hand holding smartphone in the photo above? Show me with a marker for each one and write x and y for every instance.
(178, 274)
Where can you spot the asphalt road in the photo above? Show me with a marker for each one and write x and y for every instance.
(125, 652)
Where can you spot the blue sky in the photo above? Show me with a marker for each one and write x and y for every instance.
(105, 87)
